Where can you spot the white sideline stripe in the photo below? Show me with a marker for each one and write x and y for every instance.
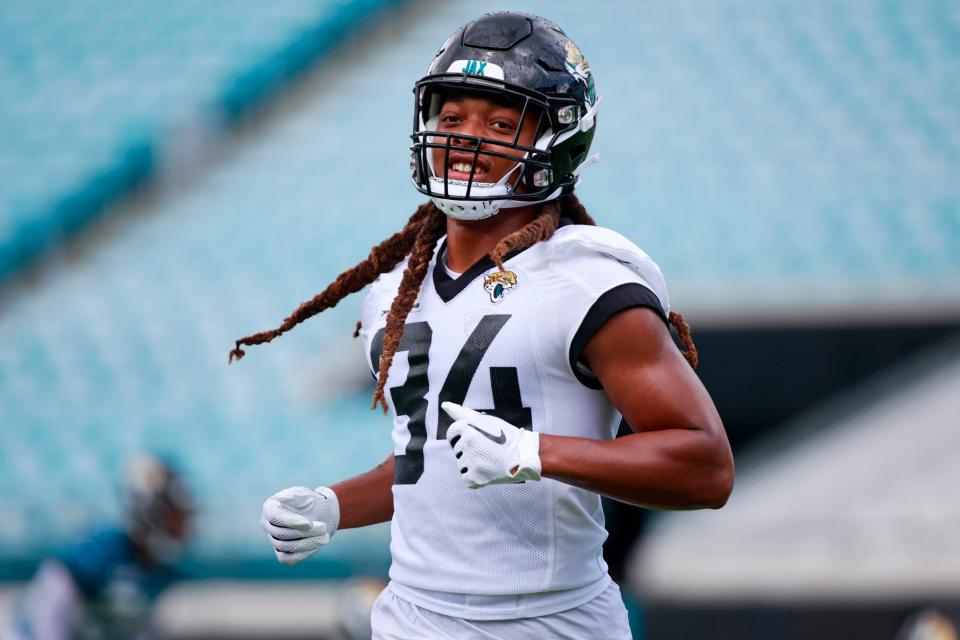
(8, 598)
(250, 609)
(236, 609)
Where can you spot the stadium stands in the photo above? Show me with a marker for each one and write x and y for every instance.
(90, 93)
(770, 156)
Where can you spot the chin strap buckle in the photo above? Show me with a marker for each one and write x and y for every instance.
(594, 159)
(588, 119)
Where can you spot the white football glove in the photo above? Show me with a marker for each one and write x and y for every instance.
(490, 450)
(300, 521)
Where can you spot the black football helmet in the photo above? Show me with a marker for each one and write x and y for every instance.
(524, 60)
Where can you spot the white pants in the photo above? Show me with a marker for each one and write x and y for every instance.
(603, 618)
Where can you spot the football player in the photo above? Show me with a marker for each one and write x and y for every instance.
(508, 333)
(105, 585)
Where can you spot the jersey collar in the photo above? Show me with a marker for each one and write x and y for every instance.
(448, 288)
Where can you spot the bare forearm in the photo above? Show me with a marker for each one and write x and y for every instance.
(679, 456)
(668, 469)
(367, 498)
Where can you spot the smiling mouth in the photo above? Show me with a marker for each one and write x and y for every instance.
(460, 170)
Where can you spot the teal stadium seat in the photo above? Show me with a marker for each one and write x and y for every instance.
(89, 90)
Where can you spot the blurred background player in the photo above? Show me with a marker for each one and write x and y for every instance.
(104, 585)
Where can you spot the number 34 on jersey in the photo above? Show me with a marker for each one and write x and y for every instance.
(409, 399)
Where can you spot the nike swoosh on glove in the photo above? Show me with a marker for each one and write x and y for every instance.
(490, 450)
(299, 521)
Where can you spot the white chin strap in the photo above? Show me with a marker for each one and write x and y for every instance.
(490, 197)
(481, 208)
(465, 209)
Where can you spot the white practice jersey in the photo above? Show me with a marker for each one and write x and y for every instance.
(506, 343)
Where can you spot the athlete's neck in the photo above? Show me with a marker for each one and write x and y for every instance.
(470, 240)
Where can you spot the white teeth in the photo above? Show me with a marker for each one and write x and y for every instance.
(462, 167)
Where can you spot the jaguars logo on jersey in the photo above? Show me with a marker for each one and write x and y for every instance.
(499, 283)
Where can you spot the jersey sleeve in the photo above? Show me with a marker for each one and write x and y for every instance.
(92, 561)
(372, 311)
(368, 316)
(603, 274)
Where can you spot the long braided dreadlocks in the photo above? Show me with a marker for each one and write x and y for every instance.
(417, 240)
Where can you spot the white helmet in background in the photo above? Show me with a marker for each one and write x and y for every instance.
(158, 507)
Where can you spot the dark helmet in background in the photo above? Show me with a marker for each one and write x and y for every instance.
(525, 60)
(158, 507)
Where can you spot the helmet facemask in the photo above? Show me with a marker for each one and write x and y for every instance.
(530, 63)
(532, 179)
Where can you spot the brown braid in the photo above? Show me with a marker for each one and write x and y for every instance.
(573, 209)
(683, 330)
(540, 228)
(383, 258)
(418, 238)
(431, 230)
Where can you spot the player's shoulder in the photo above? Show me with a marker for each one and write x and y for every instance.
(92, 559)
(585, 240)
(383, 289)
(388, 283)
(588, 253)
